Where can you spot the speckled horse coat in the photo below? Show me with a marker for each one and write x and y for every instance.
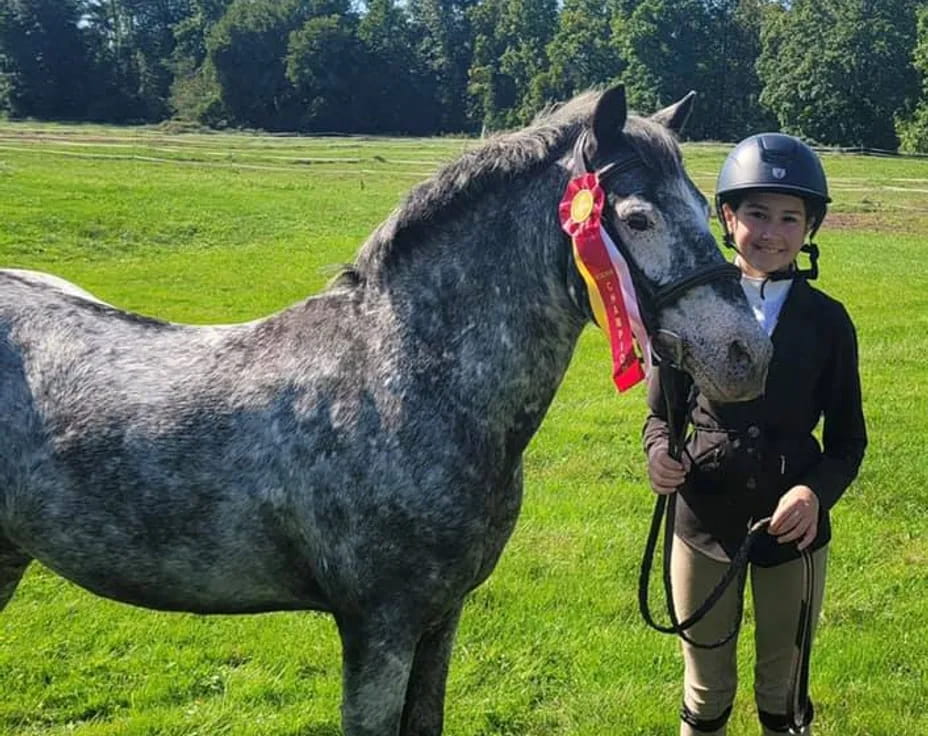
(360, 452)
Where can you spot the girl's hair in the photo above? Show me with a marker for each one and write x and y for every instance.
(814, 206)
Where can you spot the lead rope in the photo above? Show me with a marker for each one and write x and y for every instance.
(673, 385)
(799, 710)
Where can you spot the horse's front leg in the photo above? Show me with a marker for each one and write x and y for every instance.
(425, 696)
(13, 564)
(376, 661)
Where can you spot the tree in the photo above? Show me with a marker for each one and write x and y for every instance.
(729, 106)
(664, 43)
(491, 93)
(326, 64)
(510, 38)
(837, 71)
(444, 45)
(397, 89)
(195, 92)
(152, 41)
(709, 46)
(44, 62)
(133, 43)
(913, 129)
(580, 55)
(248, 49)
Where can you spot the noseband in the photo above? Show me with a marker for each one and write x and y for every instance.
(652, 297)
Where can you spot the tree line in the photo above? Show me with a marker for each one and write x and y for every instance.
(836, 72)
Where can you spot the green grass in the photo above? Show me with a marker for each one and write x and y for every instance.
(218, 228)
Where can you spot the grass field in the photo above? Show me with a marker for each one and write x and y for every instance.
(219, 228)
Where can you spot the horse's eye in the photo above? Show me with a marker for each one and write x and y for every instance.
(638, 221)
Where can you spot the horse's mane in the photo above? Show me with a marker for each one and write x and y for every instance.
(494, 165)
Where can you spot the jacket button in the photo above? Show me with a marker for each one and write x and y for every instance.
(753, 431)
(751, 483)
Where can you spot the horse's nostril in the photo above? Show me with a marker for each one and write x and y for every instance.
(739, 355)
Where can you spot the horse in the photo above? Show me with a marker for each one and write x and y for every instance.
(360, 452)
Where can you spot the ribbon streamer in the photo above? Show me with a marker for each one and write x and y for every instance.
(609, 283)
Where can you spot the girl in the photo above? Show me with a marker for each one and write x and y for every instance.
(756, 459)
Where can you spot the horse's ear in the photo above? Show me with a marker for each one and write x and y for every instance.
(675, 116)
(609, 117)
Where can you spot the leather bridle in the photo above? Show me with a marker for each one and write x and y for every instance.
(652, 296)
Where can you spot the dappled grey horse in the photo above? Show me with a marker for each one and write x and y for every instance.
(359, 452)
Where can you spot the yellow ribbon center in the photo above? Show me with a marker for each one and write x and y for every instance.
(581, 207)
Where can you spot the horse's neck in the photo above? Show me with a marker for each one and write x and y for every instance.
(485, 302)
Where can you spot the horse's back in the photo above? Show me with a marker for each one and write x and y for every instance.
(66, 347)
(39, 278)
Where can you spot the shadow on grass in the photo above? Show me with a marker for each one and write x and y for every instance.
(319, 729)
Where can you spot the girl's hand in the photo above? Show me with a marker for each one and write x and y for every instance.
(665, 473)
(796, 517)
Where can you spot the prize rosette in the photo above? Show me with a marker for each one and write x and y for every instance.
(605, 272)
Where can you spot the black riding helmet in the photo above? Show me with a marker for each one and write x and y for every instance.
(775, 162)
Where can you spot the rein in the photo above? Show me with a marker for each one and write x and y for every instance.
(799, 708)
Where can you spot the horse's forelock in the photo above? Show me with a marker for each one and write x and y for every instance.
(655, 144)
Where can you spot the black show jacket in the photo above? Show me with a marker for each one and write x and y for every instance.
(747, 455)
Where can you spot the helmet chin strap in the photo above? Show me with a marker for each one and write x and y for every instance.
(811, 273)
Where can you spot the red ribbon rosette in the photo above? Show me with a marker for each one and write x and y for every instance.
(580, 212)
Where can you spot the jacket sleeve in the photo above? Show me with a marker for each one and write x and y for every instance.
(844, 433)
(655, 428)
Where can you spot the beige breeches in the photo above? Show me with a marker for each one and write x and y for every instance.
(710, 679)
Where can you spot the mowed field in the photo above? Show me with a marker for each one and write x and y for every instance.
(221, 228)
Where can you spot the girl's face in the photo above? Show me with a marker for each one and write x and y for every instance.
(768, 228)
